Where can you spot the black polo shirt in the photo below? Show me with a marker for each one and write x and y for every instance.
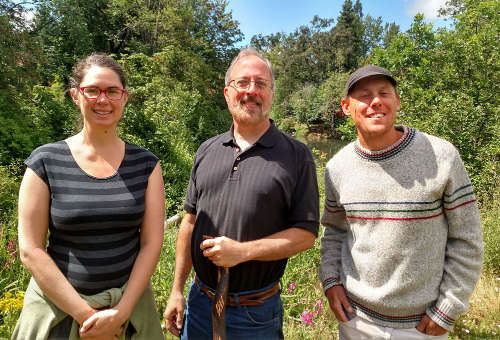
(249, 195)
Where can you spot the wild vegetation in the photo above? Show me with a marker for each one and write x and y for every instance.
(175, 53)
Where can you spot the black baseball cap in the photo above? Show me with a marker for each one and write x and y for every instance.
(365, 72)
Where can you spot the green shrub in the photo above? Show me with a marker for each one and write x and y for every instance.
(490, 218)
(16, 141)
(9, 188)
(287, 125)
(347, 130)
(164, 275)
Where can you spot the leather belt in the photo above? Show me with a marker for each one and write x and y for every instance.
(254, 299)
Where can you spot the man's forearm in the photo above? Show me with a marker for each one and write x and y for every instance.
(183, 261)
(280, 245)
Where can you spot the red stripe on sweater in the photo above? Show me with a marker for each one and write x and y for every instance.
(444, 315)
(462, 204)
(394, 317)
(388, 151)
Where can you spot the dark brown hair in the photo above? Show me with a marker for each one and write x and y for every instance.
(95, 59)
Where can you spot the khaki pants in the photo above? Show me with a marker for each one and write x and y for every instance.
(360, 329)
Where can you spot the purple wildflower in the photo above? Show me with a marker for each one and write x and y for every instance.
(307, 318)
(11, 246)
(319, 306)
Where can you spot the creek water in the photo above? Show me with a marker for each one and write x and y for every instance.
(327, 147)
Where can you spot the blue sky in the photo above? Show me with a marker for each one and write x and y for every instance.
(272, 16)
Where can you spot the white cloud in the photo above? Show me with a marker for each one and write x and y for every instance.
(429, 8)
(28, 16)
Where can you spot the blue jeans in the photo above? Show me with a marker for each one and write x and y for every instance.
(242, 322)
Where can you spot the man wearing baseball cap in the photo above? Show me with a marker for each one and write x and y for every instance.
(402, 246)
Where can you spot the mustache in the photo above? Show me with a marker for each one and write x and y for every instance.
(250, 99)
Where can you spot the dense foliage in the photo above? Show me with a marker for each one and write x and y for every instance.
(448, 77)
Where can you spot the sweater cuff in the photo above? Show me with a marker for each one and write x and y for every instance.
(441, 315)
(330, 282)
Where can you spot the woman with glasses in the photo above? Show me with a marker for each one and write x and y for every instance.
(100, 201)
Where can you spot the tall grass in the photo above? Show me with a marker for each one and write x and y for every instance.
(490, 218)
(13, 276)
(482, 320)
(307, 314)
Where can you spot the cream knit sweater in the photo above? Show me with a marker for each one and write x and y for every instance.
(402, 231)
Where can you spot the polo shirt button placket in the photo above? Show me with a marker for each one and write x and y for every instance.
(238, 158)
(235, 166)
(234, 173)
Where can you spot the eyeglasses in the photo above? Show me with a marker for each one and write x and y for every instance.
(244, 83)
(94, 92)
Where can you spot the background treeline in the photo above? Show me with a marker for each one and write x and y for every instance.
(176, 52)
(449, 79)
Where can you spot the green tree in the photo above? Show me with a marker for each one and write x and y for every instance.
(330, 94)
(22, 127)
(72, 29)
(349, 35)
(373, 33)
(66, 34)
(391, 30)
(20, 53)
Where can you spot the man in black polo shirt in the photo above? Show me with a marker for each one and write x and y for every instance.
(254, 190)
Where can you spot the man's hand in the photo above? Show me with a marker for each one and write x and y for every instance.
(338, 302)
(174, 313)
(103, 325)
(429, 327)
(223, 251)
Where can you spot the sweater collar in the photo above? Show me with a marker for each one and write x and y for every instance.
(391, 150)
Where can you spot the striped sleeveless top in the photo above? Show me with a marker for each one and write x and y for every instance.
(94, 223)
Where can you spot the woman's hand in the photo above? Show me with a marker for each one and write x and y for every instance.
(104, 325)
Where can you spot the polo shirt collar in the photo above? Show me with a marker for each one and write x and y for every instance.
(227, 137)
(267, 140)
